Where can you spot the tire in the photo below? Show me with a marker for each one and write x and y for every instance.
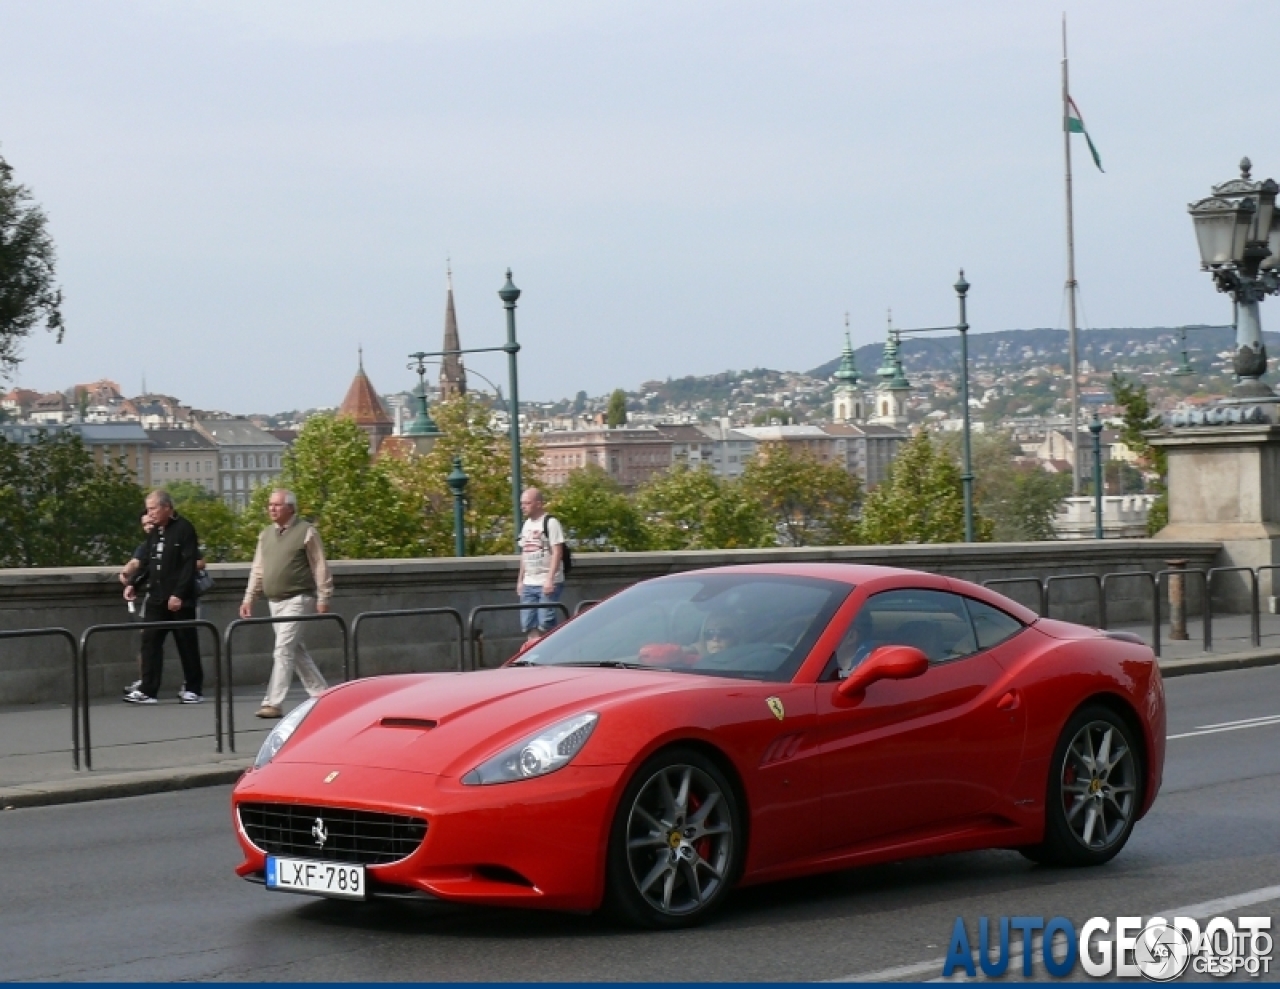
(1094, 790)
(676, 843)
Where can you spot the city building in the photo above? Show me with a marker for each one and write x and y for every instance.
(248, 457)
(629, 454)
(183, 454)
(719, 448)
(869, 449)
(1123, 517)
(363, 405)
(123, 443)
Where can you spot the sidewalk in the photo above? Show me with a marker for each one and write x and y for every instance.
(171, 746)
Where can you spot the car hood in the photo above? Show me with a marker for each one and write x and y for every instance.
(446, 723)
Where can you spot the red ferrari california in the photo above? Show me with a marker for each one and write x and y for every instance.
(713, 729)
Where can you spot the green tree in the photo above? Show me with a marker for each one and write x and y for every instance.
(217, 524)
(811, 503)
(1020, 500)
(360, 513)
(921, 502)
(695, 509)
(60, 509)
(1139, 418)
(28, 295)
(596, 513)
(467, 431)
(617, 413)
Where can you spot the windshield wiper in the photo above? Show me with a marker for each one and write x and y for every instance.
(524, 662)
(615, 664)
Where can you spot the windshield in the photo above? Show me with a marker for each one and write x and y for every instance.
(751, 625)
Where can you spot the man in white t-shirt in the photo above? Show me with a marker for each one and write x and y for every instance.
(541, 577)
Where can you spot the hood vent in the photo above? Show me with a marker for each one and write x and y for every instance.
(422, 724)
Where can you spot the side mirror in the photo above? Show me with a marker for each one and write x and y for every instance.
(885, 663)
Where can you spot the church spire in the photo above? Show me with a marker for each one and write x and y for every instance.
(453, 376)
(847, 373)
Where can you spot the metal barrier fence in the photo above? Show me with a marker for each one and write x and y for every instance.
(1155, 599)
(483, 608)
(1255, 617)
(62, 633)
(1063, 578)
(1040, 609)
(469, 632)
(274, 620)
(196, 623)
(366, 616)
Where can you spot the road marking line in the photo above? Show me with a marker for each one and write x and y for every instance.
(1242, 721)
(1198, 911)
(1235, 726)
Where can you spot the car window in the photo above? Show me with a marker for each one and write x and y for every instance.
(992, 625)
(752, 625)
(935, 622)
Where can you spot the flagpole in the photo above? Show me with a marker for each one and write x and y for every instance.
(1071, 277)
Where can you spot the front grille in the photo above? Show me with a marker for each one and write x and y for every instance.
(358, 836)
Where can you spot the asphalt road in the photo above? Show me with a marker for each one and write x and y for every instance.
(142, 889)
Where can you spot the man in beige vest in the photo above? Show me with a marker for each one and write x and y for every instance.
(290, 570)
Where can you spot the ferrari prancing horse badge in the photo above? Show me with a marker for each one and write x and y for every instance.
(775, 705)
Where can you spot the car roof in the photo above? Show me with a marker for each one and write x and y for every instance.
(871, 578)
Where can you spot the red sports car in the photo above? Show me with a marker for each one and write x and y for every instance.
(711, 729)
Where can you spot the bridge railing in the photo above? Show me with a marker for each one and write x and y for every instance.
(78, 689)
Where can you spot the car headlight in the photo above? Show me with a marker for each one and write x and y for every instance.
(282, 732)
(549, 750)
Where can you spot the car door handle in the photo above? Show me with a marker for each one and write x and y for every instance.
(1009, 702)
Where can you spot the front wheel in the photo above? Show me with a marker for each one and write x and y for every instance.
(676, 842)
(1094, 791)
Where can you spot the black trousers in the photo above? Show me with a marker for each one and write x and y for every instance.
(188, 643)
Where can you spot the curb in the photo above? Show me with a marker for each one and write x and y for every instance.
(106, 787)
(1217, 664)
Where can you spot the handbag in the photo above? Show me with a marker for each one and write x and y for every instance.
(204, 582)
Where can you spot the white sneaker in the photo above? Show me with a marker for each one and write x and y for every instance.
(138, 697)
(187, 697)
(136, 685)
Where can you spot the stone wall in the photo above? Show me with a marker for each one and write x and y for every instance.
(38, 671)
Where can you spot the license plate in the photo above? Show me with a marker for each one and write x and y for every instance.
(316, 878)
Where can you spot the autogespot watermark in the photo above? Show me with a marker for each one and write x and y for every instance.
(1157, 949)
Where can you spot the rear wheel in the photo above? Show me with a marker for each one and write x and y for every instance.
(675, 844)
(1094, 791)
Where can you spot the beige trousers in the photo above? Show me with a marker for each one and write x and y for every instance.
(290, 653)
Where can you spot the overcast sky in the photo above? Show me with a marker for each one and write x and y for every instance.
(244, 192)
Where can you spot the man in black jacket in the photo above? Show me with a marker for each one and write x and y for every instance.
(169, 571)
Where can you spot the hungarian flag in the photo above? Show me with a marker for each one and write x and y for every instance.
(1075, 125)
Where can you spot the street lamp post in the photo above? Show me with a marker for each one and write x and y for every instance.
(508, 294)
(457, 481)
(1238, 233)
(966, 478)
(1095, 427)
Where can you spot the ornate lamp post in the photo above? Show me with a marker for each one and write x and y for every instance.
(423, 429)
(457, 481)
(1239, 244)
(893, 367)
(1095, 427)
(966, 479)
(508, 294)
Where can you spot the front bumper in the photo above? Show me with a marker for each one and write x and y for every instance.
(533, 843)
